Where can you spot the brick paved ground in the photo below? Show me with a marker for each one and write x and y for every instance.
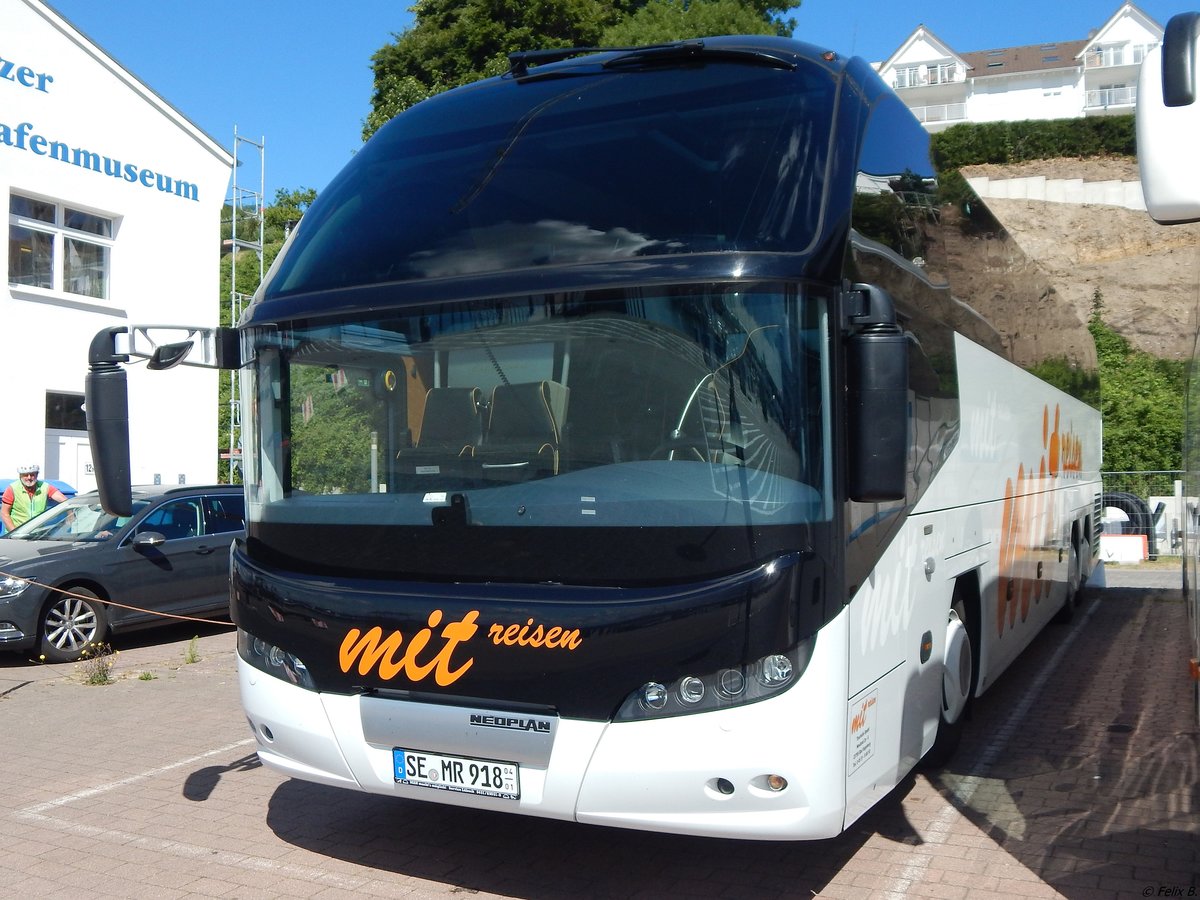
(1078, 778)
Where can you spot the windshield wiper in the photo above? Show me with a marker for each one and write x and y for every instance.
(696, 50)
(520, 62)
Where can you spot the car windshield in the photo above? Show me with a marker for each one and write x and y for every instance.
(470, 439)
(79, 519)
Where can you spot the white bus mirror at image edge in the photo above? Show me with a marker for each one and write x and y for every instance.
(1168, 123)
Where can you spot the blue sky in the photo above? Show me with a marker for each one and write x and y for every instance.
(297, 72)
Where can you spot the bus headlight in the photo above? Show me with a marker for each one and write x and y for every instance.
(732, 686)
(274, 661)
(774, 671)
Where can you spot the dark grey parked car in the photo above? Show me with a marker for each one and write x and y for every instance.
(171, 555)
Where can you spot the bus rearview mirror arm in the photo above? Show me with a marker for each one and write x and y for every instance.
(876, 397)
(106, 392)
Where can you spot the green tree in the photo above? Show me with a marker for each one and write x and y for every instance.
(285, 213)
(1141, 403)
(454, 42)
(277, 221)
(331, 433)
(660, 21)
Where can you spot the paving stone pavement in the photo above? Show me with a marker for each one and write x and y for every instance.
(1078, 777)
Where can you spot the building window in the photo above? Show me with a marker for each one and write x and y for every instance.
(909, 76)
(65, 411)
(58, 248)
(942, 73)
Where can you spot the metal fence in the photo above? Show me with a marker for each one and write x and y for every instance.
(1170, 511)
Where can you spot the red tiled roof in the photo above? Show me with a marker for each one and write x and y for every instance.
(1031, 58)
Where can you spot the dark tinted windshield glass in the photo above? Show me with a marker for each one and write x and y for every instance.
(686, 432)
(585, 168)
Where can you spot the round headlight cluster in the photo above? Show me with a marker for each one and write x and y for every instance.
(774, 670)
(726, 687)
(274, 661)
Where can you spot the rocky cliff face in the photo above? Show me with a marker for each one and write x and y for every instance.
(1147, 274)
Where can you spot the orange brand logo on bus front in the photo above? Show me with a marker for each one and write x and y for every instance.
(424, 654)
(1027, 521)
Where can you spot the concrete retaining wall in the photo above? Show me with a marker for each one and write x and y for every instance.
(1062, 190)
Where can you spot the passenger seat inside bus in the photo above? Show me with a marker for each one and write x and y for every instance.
(451, 431)
(524, 432)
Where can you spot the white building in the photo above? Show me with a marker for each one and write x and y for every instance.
(114, 203)
(1096, 75)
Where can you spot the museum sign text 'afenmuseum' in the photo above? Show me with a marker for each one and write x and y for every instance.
(24, 136)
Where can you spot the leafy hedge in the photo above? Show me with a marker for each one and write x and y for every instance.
(971, 144)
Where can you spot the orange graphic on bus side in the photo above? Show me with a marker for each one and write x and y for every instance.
(1026, 521)
(860, 718)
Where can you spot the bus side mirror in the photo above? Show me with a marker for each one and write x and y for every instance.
(106, 402)
(876, 398)
(1168, 123)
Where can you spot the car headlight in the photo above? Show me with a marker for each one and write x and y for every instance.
(275, 661)
(10, 585)
(733, 686)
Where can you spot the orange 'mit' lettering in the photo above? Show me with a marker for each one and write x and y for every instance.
(371, 650)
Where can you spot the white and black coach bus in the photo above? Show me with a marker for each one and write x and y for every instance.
(644, 437)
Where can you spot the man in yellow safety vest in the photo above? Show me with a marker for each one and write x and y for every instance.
(20, 504)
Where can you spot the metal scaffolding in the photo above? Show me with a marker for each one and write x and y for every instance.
(247, 220)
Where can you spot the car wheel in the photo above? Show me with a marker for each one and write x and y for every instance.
(70, 624)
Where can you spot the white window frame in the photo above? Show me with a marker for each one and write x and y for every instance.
(908, 76)
(64, 243)
(943, 73)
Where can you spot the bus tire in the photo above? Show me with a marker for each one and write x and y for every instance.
(1074, 584)
(958, 680)
(71, 622)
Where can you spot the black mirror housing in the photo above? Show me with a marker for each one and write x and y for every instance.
(106, 403)
(876, 399)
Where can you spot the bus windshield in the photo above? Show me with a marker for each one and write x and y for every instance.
(600, 167)
(686, 428)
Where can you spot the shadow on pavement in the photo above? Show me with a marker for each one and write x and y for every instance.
(1101, 791)
(505, 854)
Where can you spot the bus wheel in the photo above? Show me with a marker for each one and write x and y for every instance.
(1074, 584)
(70, 624)
(958, 678)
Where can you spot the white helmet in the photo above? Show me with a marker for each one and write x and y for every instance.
(33, 469)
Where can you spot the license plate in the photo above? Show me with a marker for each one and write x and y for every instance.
(463, 775)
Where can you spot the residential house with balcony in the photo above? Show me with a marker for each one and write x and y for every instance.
(1096, 75)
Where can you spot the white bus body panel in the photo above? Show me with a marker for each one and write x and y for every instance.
(994, 509)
